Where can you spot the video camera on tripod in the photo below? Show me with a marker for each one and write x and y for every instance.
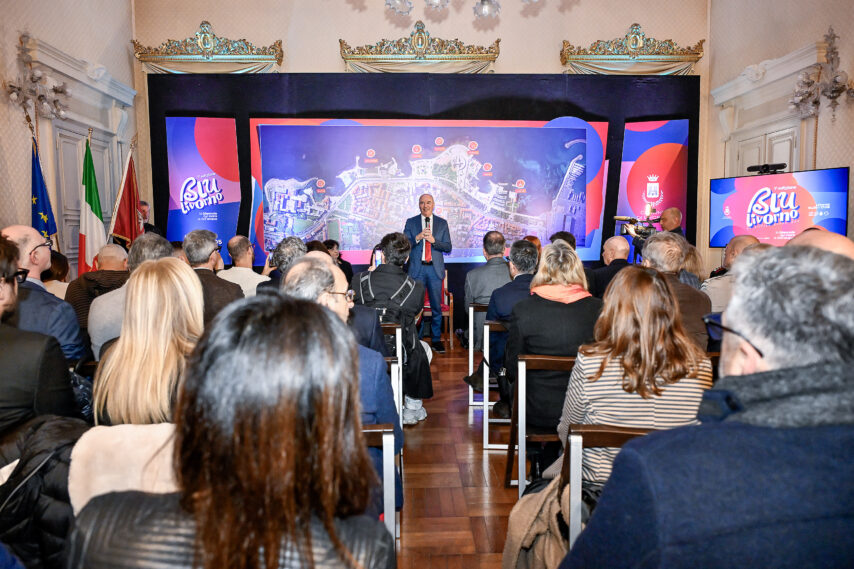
(642, 227)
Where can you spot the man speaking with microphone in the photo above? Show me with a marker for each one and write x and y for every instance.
(430, 239)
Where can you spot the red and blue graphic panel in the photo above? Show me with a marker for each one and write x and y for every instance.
(776, 207)
(204, 177)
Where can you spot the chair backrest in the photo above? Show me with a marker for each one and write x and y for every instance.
(587, 436)
(382, 436)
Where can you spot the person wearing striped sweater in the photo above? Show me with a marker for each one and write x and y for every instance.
(643, 370)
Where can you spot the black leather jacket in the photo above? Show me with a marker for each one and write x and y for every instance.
(135, 529)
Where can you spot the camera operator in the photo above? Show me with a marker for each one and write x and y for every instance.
(671, 220)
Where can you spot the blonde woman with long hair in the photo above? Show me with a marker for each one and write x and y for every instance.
(136, 386)
(138, 378)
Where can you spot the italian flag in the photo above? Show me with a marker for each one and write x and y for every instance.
(92, 236)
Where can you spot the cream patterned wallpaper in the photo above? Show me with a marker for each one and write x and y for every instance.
(98, 31)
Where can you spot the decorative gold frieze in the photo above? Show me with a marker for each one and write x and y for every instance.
(634, 45)
(420, 46)
(207, 46)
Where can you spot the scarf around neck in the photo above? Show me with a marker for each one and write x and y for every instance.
(561, 293)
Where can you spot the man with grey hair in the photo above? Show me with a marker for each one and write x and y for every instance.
(111, 264)
(615, 255)
(202, 250)
(322, 282)
(107, 310)
(719, 288)
(282, 257)
(665, 252)
(482, 280)
(766, 479)
(241, 273)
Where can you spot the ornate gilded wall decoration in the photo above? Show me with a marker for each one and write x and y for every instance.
(419, 52)
(633, 54)
(206, 47)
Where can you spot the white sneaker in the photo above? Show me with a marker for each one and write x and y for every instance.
(413, 416)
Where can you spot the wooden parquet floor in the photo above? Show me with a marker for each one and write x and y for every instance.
(455, 504)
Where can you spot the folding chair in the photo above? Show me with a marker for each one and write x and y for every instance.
(587, 436)
(518, 426)
(395, 364)
(473, 307)
(382, 437)
(489, 326)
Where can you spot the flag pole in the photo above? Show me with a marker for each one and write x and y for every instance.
(121, 190)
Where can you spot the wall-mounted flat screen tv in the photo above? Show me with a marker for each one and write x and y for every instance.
(776, 207)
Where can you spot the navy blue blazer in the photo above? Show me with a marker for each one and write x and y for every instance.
(501, 305)
(378, 407)
(40, 311)
(441, 234)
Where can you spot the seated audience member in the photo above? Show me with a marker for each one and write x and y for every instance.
(106, 312)
(316, 245)
(325, 284)
(55, 278)
(202, 250)
(33, 374)
(38, 310)
(335, 251)
(570, 240)
(178, 251)
(242, 258)
(523, 265)
(285, 371)
(692, 267)
(826, 240)
(615, 255)
(111, 273)
(63, 465)
(482, 280)
(535, 241)
(399, 299)
(766, 479)
(665, 251)
(643, 370)
(719, 288)
(282, 257)
(555, 320)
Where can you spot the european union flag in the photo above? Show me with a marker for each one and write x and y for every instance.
(43, 220)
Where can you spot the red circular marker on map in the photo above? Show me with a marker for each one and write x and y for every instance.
(439, 141)
(473, 145)
(487, 167)
(371, 153)
(520, 183)
(416, 149)
(321, 183)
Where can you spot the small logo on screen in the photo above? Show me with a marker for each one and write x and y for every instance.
(473, 145)
(321, 183)
(416, 149)
(439, 141)
(371, 153)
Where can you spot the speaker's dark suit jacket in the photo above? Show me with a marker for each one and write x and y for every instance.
(33, 378)
(441, 234)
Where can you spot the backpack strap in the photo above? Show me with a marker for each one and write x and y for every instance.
(365, 280)
(404, 292)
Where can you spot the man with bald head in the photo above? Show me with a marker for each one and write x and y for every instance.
(826, 240)
(241, 273)
(719, 288)
(615, 255)
(111, 263)
(671, 221)
(38, 310)
(430, 239)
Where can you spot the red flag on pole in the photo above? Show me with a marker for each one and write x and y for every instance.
(126, 223)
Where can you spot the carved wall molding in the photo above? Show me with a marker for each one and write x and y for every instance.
(419, 52)
(205, 47)
(633, 54)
